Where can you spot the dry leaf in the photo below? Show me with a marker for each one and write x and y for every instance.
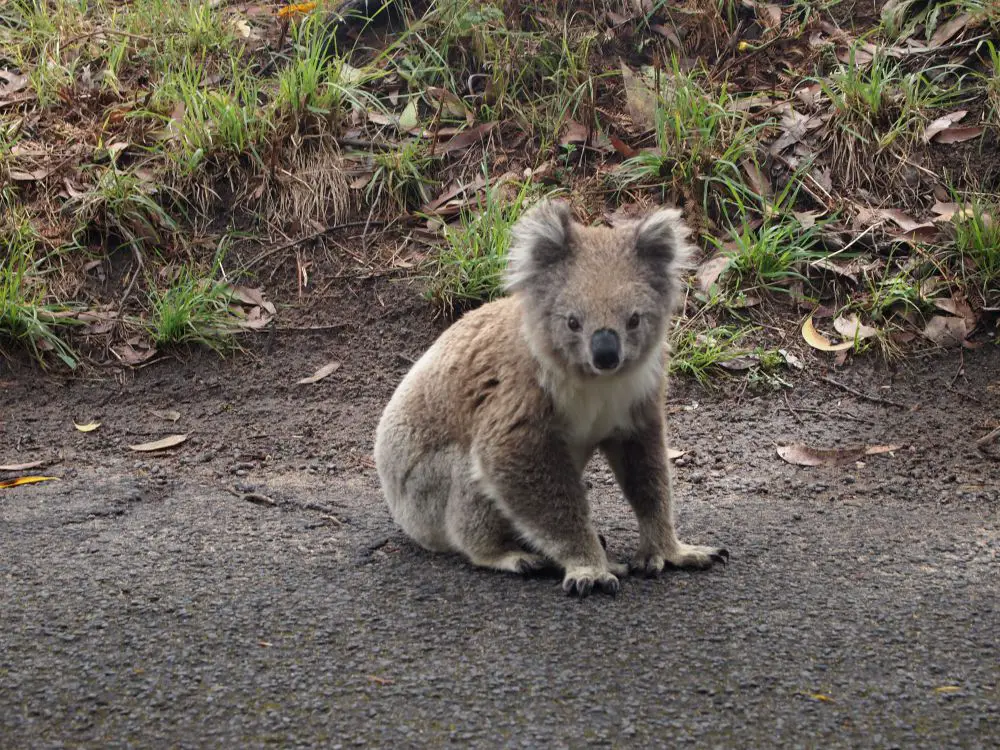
(14, 82)
(817, 341)
(327, 369)
(467, 138)
(710, 270)
(959, 135)
(24, 480)
(157, 445)
(89, 427)
(170, 416)
(956, 306)
(621, 147)
(947, 30)
(640, 99)
(851, 328)
(673, 453)
(945, 689)
(408, 119)
(943, 123)
(21, 467)
(791, 360)
(250, 296)
(801, 454)
(947, 331)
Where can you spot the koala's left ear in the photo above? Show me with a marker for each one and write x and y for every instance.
(662, 238)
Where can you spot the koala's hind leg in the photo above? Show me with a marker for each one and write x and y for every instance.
(642, 468)
(534, 481)
(476, 528)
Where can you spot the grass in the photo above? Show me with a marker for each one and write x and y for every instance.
(468, 269)
(194, 309)
(770, 256)
(977, 247)
(25, 317)
(700, 136)
(161, 126)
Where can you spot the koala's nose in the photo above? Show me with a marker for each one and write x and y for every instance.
(604, 347)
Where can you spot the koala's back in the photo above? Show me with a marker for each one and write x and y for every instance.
(477, 374)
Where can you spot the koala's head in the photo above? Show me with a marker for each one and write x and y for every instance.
(597, 299)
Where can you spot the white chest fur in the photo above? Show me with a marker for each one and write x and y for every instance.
(593, 409)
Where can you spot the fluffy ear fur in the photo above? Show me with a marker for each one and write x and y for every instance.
(540, 239)
(662, 238)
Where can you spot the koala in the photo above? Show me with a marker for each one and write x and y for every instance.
(482, 447)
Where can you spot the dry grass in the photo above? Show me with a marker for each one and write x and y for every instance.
(161, 129)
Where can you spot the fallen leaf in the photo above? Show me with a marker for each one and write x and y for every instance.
(709, 271)
(959, 135)
(408, 119)
(905, 222)
(467, 138)
(791, 360)
(89, 427)
(806, 219)
(21, 467)
(298, 9)
(14, 82)
(19, 175)
(740, 363)
(250, 296)
(946, 331)
(820, 697)
(327, 369)
(947, 689)
(955, 306)
(943, 123)
(817, 341)
(947, 30)
(851, 328)
(157, 445)
(640, 99)
(24, 480)
(621, 147)
(673, 453)
(170, 415)
(801, 454)
(945, 210)
(133, 352)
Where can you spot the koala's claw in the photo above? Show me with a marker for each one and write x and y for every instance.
(688, 556)
(582, 581)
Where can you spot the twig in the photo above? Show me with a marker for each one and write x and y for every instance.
(330, 327)
(865, 396)
(834, 415)
(792, 411)
(988, 438)
(135, 277)
(293, 243)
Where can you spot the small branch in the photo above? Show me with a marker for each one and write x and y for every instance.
(988, 438)
(294, 243)
(865, 396)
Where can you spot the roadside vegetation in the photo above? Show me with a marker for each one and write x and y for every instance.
(169, 169)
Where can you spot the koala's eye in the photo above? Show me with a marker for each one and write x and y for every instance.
(633, 322)
(573, 323)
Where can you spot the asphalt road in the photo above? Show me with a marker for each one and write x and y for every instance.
(143, 605)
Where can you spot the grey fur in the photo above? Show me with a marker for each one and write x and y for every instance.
(482, 447)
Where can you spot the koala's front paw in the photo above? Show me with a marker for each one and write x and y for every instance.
(692, 556)
(583, 579)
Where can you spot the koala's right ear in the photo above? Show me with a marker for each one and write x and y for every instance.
(539, 240)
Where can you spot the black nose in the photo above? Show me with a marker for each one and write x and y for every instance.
(604, 349)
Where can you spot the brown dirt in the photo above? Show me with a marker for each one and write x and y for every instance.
(248, 422)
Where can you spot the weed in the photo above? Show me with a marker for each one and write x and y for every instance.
(768, 256)
(192, 310)
(469, 268)
(318, 84)
(24, 316)
(400, 179)
(123, 204)
(700, 136)
(977, 244)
